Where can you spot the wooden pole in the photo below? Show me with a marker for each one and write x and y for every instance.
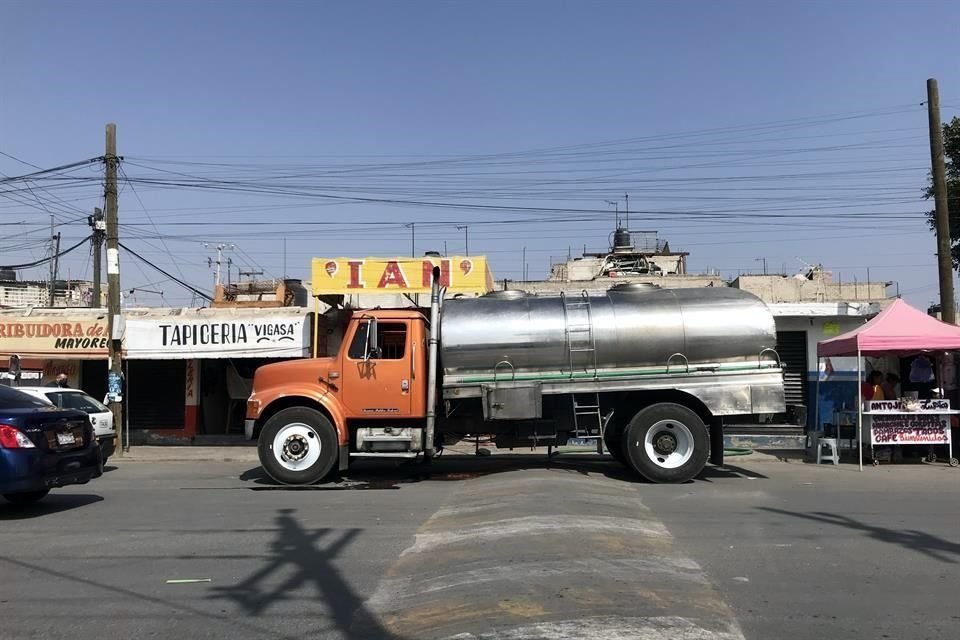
(944, 258)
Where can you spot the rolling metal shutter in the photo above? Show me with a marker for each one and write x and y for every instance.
(792, 347)
(155, 393)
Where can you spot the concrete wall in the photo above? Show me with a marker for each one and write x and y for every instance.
(778, 288)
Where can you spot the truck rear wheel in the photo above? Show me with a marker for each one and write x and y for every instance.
(667, 443)
(298, 445)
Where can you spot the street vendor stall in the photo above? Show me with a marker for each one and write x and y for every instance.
(899, 330)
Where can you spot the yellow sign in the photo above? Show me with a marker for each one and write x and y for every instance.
(336, 276)
(53, 337)
(831, 328)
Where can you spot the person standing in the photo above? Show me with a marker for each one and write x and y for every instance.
(891, 387)
(871, 389)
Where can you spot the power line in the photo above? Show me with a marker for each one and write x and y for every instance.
(183, 284)
(50, 258)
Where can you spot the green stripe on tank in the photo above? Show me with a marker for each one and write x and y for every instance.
(604, 374)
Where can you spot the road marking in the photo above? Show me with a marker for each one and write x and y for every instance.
(608, 628)
(544, 555)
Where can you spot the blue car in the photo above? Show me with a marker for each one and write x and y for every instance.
(42, 447)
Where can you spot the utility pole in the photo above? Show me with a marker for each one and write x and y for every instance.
(114, 320)
(627, 212)
(99, 227)
(54, 261)
(523, 259)
(413, 238)
(466, 239)
(944, 260)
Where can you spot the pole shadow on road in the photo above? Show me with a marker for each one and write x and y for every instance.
(920, 541)
(304, 558)
(53, 503)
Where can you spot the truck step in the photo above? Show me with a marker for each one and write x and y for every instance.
(383, 454)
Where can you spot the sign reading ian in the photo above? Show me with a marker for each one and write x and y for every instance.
(458, 274)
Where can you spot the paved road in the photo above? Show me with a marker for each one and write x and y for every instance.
(501, 548)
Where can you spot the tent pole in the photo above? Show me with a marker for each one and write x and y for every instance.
(859, 408)
(816, 407)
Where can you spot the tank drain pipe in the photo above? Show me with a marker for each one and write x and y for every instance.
(435, 294)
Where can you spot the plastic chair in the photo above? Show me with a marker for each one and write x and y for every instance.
(834, 456)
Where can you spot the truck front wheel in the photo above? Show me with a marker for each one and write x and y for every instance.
(298, 445)
(667, 443)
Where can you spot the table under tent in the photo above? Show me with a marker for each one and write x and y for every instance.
(901, 331)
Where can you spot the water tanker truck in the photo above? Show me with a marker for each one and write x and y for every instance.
(650, 374)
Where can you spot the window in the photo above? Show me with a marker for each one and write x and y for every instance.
(391, 341)
(74, 400)
(13, 399)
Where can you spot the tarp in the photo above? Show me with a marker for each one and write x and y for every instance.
(898, 329)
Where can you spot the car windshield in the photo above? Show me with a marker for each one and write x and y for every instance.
(13, 399)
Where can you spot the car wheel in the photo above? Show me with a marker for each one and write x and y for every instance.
(298, 446)
(667, 443)
(28, 497)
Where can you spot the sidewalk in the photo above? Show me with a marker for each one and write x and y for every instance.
(185, 453)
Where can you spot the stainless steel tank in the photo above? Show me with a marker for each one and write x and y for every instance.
(631, 326)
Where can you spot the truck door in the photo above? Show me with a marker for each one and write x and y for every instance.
(376, 382)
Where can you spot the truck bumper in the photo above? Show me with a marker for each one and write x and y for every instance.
(248, 428)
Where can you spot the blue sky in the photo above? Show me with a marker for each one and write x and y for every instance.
(263, 89)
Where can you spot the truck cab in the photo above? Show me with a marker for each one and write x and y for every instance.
(368, 399)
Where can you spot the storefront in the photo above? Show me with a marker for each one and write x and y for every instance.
(73, 342)
(913, 407)
(188, 372)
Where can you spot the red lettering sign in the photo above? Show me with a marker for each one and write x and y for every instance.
(355, 281)
(392, 275)
(427, 273)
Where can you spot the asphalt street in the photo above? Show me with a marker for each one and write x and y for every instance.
(506, 547)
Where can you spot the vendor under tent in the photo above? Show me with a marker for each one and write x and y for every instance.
(899, 330)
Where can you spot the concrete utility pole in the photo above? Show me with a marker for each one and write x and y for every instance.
(114, 319)
(466, 239)
(99, 228)
(944, 260)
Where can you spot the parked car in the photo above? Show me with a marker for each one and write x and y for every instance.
(42, 447)
(100, 416)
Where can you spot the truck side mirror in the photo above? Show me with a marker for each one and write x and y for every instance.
(372, 340)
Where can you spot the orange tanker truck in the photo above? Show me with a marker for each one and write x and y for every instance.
(648, 373)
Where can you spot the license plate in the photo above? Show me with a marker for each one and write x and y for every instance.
(66, 438)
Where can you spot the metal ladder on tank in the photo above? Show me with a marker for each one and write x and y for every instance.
(588, 421)
(578, 332)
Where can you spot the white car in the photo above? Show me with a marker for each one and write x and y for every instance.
(100, 416)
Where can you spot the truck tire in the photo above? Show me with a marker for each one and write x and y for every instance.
(298, 445)
(667, 443)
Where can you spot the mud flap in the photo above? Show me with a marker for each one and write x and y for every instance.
(344, 457)
(716, 441)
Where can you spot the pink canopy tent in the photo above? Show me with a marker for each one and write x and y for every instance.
(898, 330)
